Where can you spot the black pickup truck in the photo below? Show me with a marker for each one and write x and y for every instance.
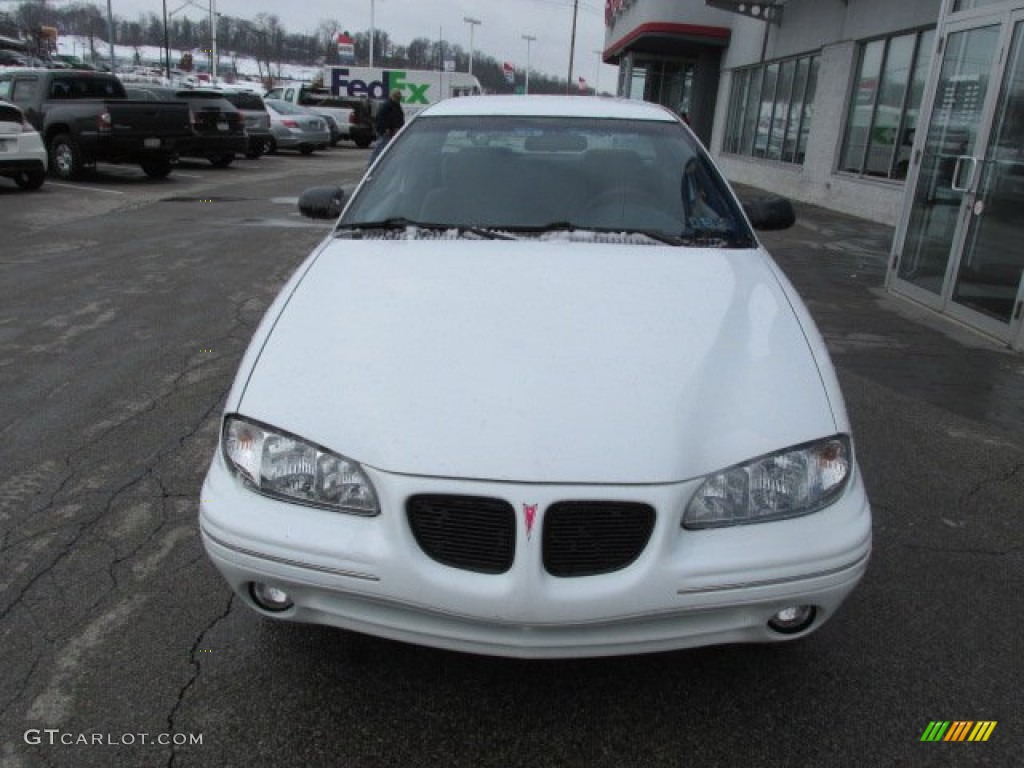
(85, 118)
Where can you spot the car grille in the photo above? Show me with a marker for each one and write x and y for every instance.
(469, 532)
(586, 538)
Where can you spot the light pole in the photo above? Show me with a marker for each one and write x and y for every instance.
(472, 23)
(372, 32)
(597, 79)
(529, 39)
(110, 34)
(167, 47)
(572, 45)
(213, 41)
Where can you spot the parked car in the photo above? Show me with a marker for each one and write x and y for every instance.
(294, 127)
(540, 393)
(218, 129)
(85, 118)
(14, 59)
(256, 118)
(321, 101)
(22, 152)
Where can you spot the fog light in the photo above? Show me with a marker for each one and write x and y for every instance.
(270, 598)
(794, 619)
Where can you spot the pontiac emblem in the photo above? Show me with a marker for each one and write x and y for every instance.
(530, 515)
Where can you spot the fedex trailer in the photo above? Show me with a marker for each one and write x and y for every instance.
(419, 87)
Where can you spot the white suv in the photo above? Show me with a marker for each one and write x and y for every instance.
(22, 152)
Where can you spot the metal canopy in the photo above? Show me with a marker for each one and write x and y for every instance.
(765, 10)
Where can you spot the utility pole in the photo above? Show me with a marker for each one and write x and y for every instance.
(572, 44)
(529, 39)
(110, 34)
(472, 23)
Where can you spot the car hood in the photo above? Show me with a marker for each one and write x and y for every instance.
(555, 362)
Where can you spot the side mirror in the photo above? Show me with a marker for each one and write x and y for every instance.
(322, 202)
(770, 212)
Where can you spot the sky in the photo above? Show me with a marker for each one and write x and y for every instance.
(499, 34)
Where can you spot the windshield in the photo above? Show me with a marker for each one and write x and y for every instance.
(540, 174)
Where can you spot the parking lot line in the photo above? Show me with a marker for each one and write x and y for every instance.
(91, 189)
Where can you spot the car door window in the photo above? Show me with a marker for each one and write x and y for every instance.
(24, 91)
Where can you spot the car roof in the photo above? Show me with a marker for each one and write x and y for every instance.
(550, 106)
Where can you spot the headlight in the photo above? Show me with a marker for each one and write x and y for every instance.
(790, 483)
(282, 465)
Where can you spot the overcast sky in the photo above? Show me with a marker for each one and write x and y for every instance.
(499, 34)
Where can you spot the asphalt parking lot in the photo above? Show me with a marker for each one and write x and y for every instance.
(127, 305)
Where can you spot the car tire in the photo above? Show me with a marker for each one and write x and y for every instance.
(30, 179)
(156, 167)
(65, 157)
(256, 150)
(222, 161)
(306, 149)
(363, 143)
(271, 146)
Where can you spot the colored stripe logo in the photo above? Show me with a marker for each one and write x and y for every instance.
(958, 730)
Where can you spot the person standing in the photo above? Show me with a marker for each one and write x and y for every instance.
(390, 118)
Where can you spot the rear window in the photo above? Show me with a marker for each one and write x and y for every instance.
(314, 99)
(250, 101)
(86, 88)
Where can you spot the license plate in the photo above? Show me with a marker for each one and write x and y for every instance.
(222, 126)
(150, 143)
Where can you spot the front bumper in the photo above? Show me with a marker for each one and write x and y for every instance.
(686, 589)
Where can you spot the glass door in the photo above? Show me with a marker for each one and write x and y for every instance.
(956, 249)
(987, 290)
(946, 167)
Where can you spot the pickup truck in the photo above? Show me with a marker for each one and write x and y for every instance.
(85, 118)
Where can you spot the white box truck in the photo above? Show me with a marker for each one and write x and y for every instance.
(419, 87)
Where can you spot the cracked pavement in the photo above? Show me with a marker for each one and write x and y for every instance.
(120, 329)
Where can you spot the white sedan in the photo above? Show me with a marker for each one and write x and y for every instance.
(540, 393)
(22, 152)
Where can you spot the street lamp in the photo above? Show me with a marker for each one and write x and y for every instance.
(529, 39)
(472, 23)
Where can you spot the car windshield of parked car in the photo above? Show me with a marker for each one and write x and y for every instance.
(541, 176)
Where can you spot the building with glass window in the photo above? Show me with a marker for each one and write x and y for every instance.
(910, 113)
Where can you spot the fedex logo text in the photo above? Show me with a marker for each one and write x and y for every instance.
(391, 80)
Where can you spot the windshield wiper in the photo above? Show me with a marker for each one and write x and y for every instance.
(568, 226)
(704, 234)
(398, 222)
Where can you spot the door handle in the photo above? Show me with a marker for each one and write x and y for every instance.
(955, 186)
